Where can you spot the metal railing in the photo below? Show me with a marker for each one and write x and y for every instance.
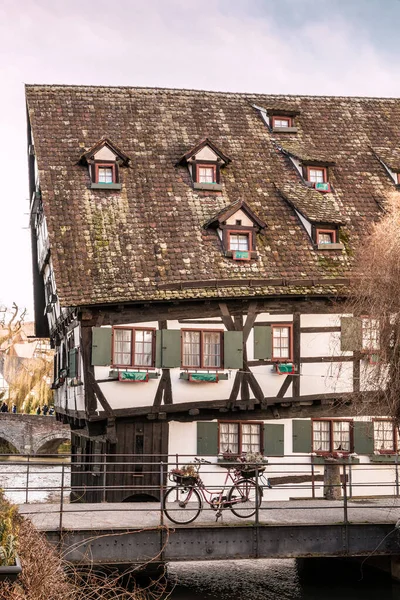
(132, 488)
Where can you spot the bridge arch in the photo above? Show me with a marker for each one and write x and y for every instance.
(49, 444)
(6, 440)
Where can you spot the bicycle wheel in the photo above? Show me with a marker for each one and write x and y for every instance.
(245, 496)
(182, 505)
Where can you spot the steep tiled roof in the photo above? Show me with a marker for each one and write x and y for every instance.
(148, 242)
(314, 206)
(390, 156)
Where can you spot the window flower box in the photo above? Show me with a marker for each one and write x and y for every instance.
(284, 368)
(200, 377)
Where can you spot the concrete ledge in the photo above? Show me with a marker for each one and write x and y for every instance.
(330, 246)
(105, 186)
(284, 129)
(208, 187)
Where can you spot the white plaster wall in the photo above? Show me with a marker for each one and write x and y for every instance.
(206, 154)
(365, 479)
(240, 215)
(104, 154)
(306, 224)
(325, 378)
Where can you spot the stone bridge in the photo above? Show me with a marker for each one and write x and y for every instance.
(32, 434)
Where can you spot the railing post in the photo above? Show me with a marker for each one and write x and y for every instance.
(27, 481)
(396, 458)
(161, 492)
(312, 479)
(345, 513)
(62, 498)
(104, 477)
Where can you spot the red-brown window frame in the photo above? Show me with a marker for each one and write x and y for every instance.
(240, 423)
(282, 118)
(202, 331)
(153, 347)
(206, 166)
(395, 438)
(239, 232)
(398, 178)
(332, 231)
(290, 327)
(98, 166)
(332, 452)
(317, 168)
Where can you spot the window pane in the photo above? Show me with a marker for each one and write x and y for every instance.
(105, 175)
(281, 123)
(191, 349)
(325, 238)
(238, 241)
(321, 436)
(341, 436)
(251, 437)
(122, 346)
(206, 175)
(143, 348)
(280, 342)
(316, 175)
(211, 349)
(229, 437)
(384, 436)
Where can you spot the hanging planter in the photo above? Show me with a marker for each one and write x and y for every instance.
(284, 368)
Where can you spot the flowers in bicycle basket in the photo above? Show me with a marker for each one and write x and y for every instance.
(251, 464)
(186, 475)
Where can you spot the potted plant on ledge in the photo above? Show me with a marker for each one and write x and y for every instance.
(10, 566)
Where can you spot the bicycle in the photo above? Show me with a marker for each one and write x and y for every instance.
(182, 503)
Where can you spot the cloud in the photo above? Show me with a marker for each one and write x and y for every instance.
(290, 46)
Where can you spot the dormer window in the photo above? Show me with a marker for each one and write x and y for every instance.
(204, 163)
(326, 236)
(206, 173)
(316, 174)
(105, 173)
(318, 178)
(237, 226)
(104, 160)
(282, 122)
(239, 241)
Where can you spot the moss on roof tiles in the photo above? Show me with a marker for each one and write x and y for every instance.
(116, 246)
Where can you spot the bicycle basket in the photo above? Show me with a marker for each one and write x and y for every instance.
(251, 472)
(182, 478)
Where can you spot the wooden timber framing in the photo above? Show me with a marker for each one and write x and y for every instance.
(296, 352)
(140, 313)
(164, 390)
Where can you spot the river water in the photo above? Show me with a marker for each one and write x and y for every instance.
(223, 580)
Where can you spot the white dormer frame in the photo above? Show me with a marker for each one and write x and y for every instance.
(393, 174)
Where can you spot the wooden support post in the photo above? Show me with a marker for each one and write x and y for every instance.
(296, 353)
(88, 369)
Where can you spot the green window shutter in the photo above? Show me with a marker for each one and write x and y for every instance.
(233, 349)
(101, 346)
(351, 334)
(168, 348)
(262, 341)
(73, 363)
(302, 435)
(207, 438)
(274, 439)
(363, 437)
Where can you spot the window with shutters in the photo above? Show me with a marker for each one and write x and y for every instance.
(282, 343)
(239, 437)
(385, 436)
(332, 436)
(133, 347)
(202, 349)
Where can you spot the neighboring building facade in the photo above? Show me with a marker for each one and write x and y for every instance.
(191, 254)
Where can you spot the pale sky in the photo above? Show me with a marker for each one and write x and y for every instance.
(334, 47)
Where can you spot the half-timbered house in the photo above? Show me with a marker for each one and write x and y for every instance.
(191, 254)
